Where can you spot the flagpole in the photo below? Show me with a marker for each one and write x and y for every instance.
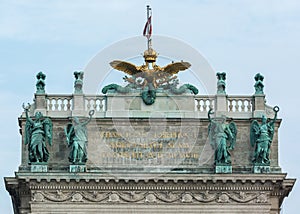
(148, 27)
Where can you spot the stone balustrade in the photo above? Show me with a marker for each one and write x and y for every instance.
(240, 103)
(230, 105)
(96, 103)
(204, 103)
(59, 102)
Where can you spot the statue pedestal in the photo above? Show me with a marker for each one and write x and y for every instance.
(223, 168)
(38, 167)
(77, 168)
(261, 169)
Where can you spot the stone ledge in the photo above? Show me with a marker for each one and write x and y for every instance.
(146, 177)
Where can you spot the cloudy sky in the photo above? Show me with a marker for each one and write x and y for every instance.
(239, 37)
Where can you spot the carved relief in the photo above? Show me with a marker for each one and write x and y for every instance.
(95, 196)
(38, 197)
(150, 197)
(223, 198)
(77, 197)
(114, 198)
(262, 198)
(187, 198)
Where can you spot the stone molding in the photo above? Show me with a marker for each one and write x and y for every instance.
(41, 190)
(152, 177)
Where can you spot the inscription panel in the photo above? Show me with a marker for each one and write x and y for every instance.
(145, 146)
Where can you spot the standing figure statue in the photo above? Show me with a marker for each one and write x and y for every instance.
(220, 135)
(261, 136)
(37, 132)
(77, 139)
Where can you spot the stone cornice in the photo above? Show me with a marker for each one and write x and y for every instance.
(151, 188)
(155, 177)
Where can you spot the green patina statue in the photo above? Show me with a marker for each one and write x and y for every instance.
(40, 83)
(220, 135)
(77, 139)
(259, 86)
(261, 136)
(78, 82)
(221, 85)
(37, 132)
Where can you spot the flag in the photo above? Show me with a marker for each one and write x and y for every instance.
(148, 28)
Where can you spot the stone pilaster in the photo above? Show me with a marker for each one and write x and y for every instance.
(78, 105)
(259, 105)
(221, 105)
(40, 103)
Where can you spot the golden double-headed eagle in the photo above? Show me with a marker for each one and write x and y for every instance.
(151, 74)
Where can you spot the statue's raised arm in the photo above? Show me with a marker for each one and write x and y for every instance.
(28, 125)
(26, 109)
(91, 113)
(276, 110)
(209, 113)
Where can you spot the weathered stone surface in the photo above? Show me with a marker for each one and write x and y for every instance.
(150, 159)
(189, 149)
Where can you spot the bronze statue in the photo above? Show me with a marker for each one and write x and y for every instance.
(37, 132)
(220, 135)
(77, 139)
(261, 136)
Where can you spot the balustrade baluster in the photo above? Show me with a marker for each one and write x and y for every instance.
(55, 104)
(249, 107)
(211, 104)
(101, 104)
(68, 104)
(230, 105)
(243, 105)
(204, 105)
(63, 104)
(95, 105)
(50, 105)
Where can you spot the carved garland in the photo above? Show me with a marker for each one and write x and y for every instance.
(149, 197)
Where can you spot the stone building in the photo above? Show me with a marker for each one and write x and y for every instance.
(148, 149)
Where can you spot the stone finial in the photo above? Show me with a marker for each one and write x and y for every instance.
(40, 83)
(78, 83)
(221, 85)
(259, 86)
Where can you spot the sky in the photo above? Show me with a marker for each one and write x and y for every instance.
(59, 37)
